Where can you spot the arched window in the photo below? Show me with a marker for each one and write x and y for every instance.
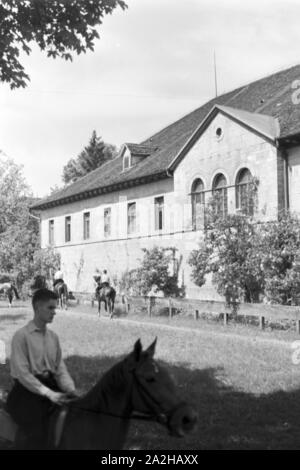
(244, 192)
(198, 201)
(220, 195)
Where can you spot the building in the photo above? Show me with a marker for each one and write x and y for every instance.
(153, 193)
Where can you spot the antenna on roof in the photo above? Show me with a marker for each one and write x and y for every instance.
(215, 69)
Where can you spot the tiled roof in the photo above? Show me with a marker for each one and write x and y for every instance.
(269, 96)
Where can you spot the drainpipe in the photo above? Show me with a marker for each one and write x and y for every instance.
(284, 154)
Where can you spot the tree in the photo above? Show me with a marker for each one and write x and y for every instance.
(279, 252)
(93, 156)
(248, 259)
(229, 252)
(157, 272)
(19, 232)
(58, 27)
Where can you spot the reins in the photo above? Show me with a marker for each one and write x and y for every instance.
(156, 416)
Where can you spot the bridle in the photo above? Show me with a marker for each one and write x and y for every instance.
(162, 417)
(150, 401)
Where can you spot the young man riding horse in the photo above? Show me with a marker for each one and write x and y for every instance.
(40, 376)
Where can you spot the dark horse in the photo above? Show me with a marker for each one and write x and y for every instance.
(135, 388)
(108, 296)
(61, 290)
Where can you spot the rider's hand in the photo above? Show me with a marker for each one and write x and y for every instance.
(73, 394)
(57, 397)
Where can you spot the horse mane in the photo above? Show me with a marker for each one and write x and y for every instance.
(109, 386)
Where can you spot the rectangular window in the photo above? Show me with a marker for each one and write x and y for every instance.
(68, 228)
(159, 213)
(107, 222)
(86, 225)
(131, 218)
(51, 232)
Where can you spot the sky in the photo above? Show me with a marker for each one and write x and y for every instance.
(152, 65)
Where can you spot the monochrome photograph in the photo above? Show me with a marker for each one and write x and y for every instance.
(149, 227)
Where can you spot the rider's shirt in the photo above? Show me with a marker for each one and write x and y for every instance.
(33, 352)
(58, 275)
(105, 278)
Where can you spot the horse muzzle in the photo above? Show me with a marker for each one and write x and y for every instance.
(182, 420)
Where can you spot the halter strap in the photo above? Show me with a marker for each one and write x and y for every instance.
(156, 415)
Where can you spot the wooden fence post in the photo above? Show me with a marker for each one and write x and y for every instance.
(170, 307)
(262, 322)
(196, 314)
(93, 303)
(150, 306)
(127, 305)
(225, 318)
(298, 326)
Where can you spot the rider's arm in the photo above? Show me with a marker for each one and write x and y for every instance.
(20, 367)
(62, 375)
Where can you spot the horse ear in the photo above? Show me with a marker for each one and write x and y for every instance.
(151, 349)
(137, 349)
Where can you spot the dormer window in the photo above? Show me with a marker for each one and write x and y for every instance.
(126, 162)
(133, 154)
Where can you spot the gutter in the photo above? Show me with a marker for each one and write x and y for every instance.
(87, 194)
(284, 153)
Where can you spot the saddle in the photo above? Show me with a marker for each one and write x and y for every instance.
(9, 429)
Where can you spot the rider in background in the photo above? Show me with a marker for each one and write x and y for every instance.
(58, 277)
(105, 280)
(97, 280)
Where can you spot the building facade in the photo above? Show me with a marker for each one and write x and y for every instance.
(155, 193)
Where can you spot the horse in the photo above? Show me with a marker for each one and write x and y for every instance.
(61, 290)
(108, 296)
(135, 388)
(10, 291)
(39, 282)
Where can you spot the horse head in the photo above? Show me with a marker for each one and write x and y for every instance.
(155, 395)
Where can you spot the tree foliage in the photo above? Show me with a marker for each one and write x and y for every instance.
(20, 255)
(249, 260)
(158, 272)
(18, 231)
(280, 250)
(229, 253)
(95, 154)
(59, 27)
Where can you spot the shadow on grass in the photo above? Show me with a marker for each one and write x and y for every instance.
(228, 418)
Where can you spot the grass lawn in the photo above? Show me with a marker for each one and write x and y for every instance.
(241, 380)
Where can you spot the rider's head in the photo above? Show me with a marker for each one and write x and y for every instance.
(104, 271)
(44, 302)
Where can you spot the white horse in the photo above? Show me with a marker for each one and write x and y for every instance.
(9, 290)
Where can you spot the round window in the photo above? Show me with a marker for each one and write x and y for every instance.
(219, 132)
